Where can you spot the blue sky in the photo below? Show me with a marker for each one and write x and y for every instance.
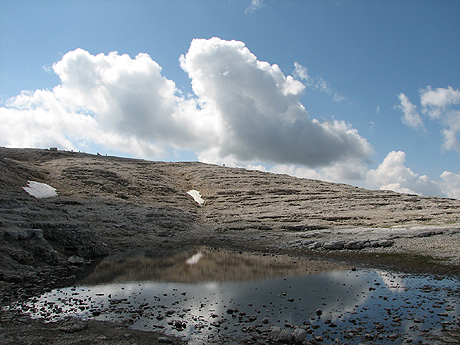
(366, 93)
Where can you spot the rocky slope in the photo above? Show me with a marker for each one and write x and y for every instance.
(115, 208)
(108, 205)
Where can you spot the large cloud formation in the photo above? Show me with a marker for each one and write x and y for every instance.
(243, 110)
(109, 100)
(259, 111)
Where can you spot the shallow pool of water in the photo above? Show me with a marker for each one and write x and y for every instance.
(253, 295)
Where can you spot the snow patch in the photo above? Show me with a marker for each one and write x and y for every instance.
(40, 190)
(196, 196)
(194, 259)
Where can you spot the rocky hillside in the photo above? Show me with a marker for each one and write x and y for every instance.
(111, 205)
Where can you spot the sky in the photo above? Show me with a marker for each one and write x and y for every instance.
(359, 92)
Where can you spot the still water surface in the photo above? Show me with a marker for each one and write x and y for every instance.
(226, 297)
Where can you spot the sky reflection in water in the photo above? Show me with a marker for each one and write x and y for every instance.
(234, 306)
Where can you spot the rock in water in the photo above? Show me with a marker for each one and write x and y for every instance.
(299, 335)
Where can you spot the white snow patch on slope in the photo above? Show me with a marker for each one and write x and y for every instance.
(196, 196)
(40, 190)
(194, 259)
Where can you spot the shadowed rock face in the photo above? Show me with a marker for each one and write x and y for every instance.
(109, 204)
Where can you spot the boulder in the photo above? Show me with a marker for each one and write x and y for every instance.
(299, 335)
(286, 335)
(275, 333)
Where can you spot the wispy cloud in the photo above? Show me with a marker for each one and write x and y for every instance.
(316, 83)
(411, 117)
(441, 105)
(254, 6)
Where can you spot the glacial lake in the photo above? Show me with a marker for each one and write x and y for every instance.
(224, 297)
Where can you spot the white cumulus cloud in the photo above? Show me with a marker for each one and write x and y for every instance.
(392, 174)
(41, 119)
(451, 184)
(259, 111)
(108, 100)
(127, 96)
(243, 110)
(440, 97)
